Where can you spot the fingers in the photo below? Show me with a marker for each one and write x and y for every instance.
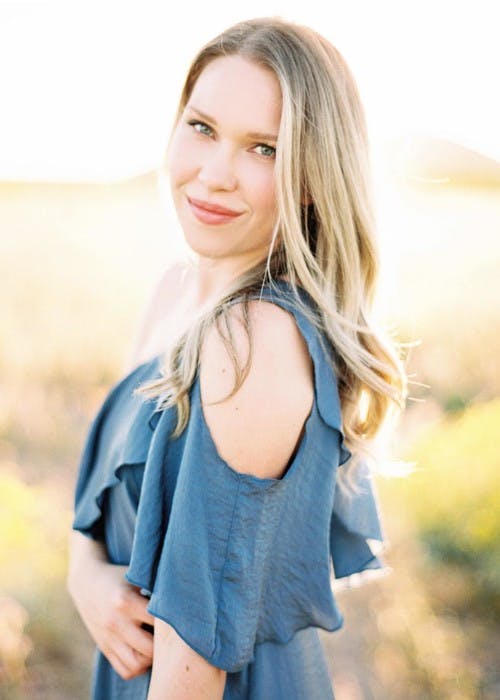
(147, 617)
(127, 662)
(126, 601)
(140, 641)
(137, 604)
(130, 647)
(121, 669)
(129, 608)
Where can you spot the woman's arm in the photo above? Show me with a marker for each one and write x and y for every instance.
(83, 550)
(181, 673)
(268, 406)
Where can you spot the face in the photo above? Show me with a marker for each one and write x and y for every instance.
(221, 161)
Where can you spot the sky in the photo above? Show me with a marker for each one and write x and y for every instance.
(89, 89)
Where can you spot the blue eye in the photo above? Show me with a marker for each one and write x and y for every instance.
(269, 151)
(194, 123)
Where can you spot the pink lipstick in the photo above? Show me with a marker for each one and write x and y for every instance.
(209, 213)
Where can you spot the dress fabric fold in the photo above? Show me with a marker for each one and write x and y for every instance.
(241, 567)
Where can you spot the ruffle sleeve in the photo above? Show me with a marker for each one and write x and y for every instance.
(357, 539)
(119, 437)
(231, 560)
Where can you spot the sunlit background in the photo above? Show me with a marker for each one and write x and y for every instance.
(87, 97)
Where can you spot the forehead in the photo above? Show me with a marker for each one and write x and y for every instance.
(238, 92)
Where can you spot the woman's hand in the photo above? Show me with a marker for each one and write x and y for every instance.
(112, 611)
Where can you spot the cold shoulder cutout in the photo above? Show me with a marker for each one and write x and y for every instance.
(230, 560)
(274, 399)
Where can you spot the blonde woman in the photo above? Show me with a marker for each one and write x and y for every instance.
(224, 481)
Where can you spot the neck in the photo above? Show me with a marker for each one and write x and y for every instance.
(208, 279)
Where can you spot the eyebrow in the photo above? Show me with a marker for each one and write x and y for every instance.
(256, 135)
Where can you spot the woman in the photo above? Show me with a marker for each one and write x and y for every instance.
(219, 482)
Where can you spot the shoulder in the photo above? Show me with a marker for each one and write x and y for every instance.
(278, 346)
(163, 291)
(257, 429)
(168, 280)
(156, 308)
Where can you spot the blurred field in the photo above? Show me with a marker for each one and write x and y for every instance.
(77, 265)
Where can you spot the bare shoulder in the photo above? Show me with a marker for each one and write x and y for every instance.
(169, 279)
(162, 291)
(257, 429)
(157, 308)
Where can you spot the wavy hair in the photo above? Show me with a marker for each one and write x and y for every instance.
(324, 238)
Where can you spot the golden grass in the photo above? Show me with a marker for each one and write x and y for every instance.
(76, 271)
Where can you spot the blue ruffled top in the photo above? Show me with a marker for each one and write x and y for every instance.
(235, 563)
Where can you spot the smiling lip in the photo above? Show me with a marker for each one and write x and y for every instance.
(209, 213)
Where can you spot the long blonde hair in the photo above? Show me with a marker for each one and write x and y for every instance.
(324, 238)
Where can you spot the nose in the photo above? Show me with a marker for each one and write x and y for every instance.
(217, 169)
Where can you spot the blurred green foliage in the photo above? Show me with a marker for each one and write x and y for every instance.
(38, 637)
(73, 287)
(454, 497)
(33, 534)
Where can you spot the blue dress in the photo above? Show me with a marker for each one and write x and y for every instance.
(242, 567)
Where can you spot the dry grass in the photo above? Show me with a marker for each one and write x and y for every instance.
(75, 276)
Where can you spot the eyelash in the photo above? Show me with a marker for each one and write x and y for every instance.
(196, 122)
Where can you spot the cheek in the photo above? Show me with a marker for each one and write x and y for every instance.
(180, 159)
(269, 203)
(270, 197)
(263, 193)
